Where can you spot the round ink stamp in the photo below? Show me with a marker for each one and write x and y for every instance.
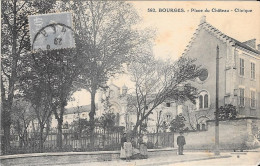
(51, 31)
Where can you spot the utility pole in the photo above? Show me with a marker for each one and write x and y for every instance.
(217, 109)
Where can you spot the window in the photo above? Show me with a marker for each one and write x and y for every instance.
(168, 104)
(206, 98)
(252, 100)
(252, 70)
(200, 101)
(241, 96)
(203, 100)
(168, 118)
(242, 67)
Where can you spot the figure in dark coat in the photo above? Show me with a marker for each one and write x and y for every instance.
(180, 142)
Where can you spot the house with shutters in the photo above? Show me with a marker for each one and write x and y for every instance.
(239, 77)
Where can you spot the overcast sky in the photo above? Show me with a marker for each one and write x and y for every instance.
(175, 29)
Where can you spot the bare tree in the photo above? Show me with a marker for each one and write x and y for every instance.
(155, 81)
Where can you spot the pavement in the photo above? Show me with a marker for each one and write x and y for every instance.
(161, 158)
(156, 158)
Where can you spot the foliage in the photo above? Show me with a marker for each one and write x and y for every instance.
(15, 44)
(177, 124)
(107, 120)
(227, 112)
(107, 40)
(150, 145)
(79, 128)
(157, 81)
(22, 115)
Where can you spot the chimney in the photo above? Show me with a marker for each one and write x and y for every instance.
(202, 19)
(251, 43)
(258, 47)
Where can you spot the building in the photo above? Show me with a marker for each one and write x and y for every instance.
(239, 67)
(73, 114)
(118, 100)
(239, 84)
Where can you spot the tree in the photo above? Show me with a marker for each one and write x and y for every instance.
(158, 124)
(155, 81)
(177, 124)
(80, 127)
(108, 38)
(57, 69)
(35, 87)
(15, 43)
(227, 112)
(107, 121)
(22, 115)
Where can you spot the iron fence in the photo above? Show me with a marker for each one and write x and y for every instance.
(71, 141)
(160, 140)
(75, 141)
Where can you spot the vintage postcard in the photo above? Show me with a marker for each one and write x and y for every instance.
(130, 83)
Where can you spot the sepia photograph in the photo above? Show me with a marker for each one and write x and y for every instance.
(130, 83)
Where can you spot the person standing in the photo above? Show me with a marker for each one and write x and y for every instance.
(143, 146)
(122, 152)
(128, 149)
(180, 142)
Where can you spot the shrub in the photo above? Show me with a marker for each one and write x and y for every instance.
(150, 145)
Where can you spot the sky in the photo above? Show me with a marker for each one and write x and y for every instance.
(174, 30)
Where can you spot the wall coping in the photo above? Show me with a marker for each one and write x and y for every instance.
(242, 118)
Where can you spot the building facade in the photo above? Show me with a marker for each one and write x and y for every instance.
(239, 84)
(239, 67)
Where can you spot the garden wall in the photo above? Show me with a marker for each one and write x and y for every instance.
(233, 134)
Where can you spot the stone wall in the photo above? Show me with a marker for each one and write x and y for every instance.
(233, 134)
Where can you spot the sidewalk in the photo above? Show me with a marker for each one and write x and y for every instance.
(161, 158)
(156, 157)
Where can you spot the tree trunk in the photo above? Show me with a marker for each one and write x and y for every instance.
(6, 126)
(41, 138)
(92, 119)
(59, 135)
(157, 136)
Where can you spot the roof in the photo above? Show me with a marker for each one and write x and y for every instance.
(246, 46)
(79, 109)
(112, 84)
(220, 35)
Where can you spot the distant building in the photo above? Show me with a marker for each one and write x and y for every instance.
(73, 114)
(239, 79)
(126, 117)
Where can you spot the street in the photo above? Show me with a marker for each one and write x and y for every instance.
(251, 158)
